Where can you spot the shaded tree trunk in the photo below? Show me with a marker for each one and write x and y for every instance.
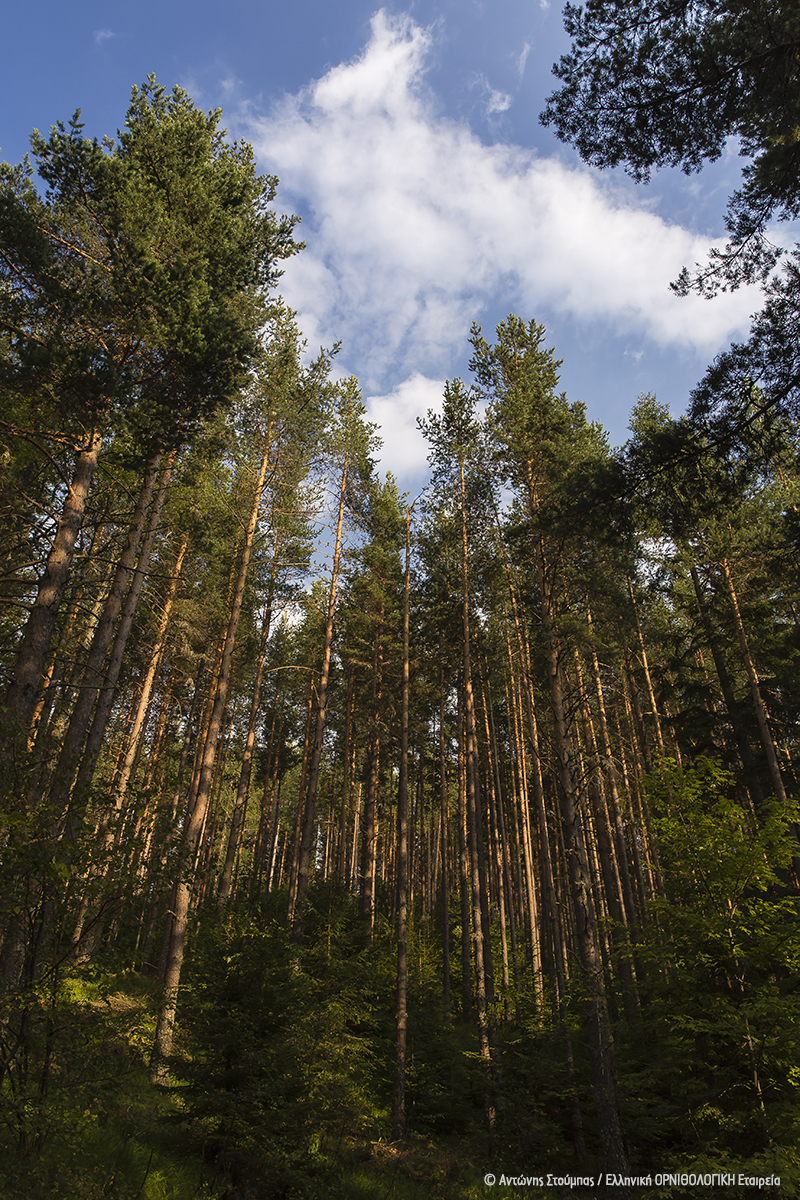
(399, 1091)
(755, 690)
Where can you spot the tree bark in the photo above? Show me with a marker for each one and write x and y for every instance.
(304, 866)
(31, 663)
(484, 981)
(93, 678)
(755, 690)
(647, 675)
(237, 818)
(399, 1093)
(444, 823)
(147, 686)
(601, 1042)
(162, 1046)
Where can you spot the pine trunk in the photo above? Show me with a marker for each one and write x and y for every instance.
(197, 808)
(399, 1093)
(304, 865)
(31, 663)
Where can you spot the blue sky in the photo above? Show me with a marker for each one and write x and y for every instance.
(408, 140)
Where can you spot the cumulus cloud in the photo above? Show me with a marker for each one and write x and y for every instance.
(403, 452)
(414, 226)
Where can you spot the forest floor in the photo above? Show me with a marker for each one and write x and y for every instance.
(105, 1131)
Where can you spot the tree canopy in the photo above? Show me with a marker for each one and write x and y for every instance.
(133, 288)
(659, 83)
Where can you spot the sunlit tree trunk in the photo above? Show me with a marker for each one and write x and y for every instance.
(347, 780)
(147, 685)
(498, 846)
(608, 859)
(610, 775)
(304, 865)
(196, 816)
(31, 663)
(646, 668)
(105, 700)
(238, 815)
(93, 675)
(444, 825)
(484, 981)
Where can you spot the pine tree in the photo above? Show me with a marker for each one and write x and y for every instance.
(545, 443)
(132, 295)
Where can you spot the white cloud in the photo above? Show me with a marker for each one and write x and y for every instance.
(102, 35)
(416, 226)
(496, 102)
(522, 58)
(404, 451)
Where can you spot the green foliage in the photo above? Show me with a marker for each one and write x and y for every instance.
(132, 289)
(281, 1044)
(287, 1054)
(654, 84)
(666, 84)
(717, 864)
(82, 1120)
(723, 1004)
(541, 443)
(748, 400)
(536, 1122)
